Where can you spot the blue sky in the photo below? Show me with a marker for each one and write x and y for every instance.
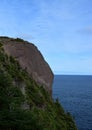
(61, 29)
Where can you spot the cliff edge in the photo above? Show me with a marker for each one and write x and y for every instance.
(24, 104)
(30, 59)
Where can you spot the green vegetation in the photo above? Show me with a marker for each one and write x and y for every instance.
(17, 40)
(17, 90)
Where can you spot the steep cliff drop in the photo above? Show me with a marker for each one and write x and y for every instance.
(30, 59)
(25, 80)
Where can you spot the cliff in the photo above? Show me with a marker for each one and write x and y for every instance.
(30, 59)
(24, 104)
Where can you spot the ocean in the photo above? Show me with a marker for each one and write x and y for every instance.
(75, 94)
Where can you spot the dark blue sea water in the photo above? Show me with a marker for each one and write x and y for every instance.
(75, 95)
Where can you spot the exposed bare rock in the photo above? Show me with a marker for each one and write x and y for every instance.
(30, 59)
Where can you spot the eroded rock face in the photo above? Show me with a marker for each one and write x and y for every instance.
(30, 59)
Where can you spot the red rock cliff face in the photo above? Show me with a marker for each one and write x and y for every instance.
(30, 59)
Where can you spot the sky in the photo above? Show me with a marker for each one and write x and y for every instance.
(61, 29)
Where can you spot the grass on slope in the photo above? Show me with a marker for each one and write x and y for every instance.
(24, 105)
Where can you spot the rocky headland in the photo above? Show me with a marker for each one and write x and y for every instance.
(25, 90)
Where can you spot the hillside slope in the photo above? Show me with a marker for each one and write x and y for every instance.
(30, 59)
(24, 105)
